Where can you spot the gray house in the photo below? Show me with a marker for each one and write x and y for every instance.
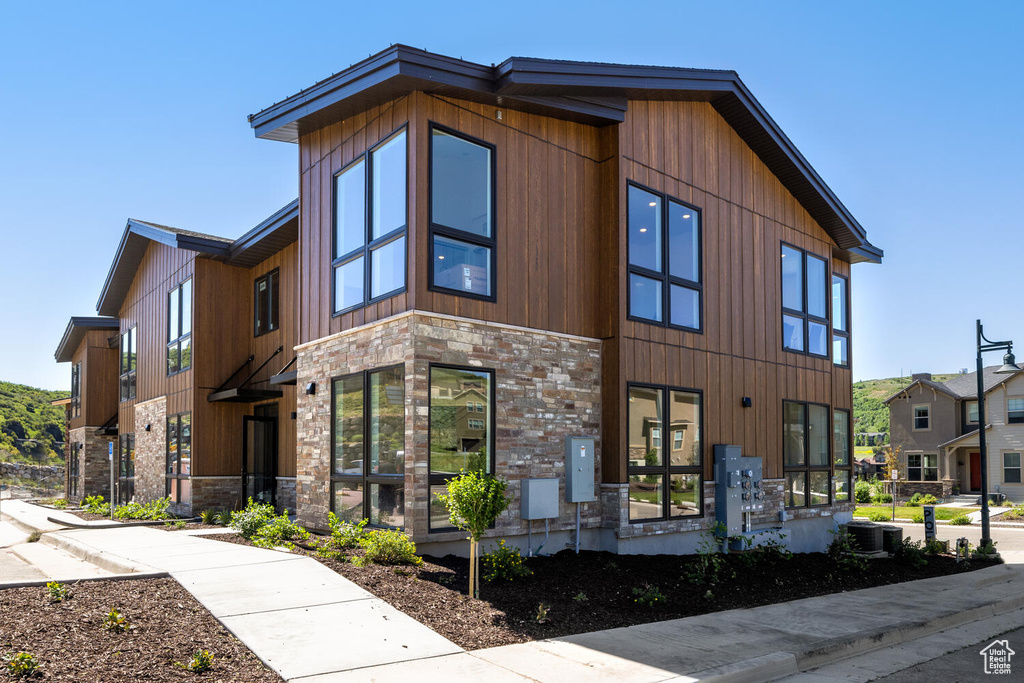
(936, 426)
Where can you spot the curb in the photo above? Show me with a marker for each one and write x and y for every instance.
(111, 563)
(115, 577)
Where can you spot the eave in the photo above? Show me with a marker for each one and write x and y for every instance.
(266, 239)
(75, 332)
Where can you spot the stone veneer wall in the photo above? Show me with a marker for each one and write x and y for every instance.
(214, 493)
(150, 449)
(94, 469)
(286, 494)
(47, 476)
(547, 387)
(939, 489)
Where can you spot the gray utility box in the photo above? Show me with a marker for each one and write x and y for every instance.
(739, 487)
(539, 499)
(579, 469)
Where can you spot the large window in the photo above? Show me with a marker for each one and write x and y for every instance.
(805, 451)
(179, 328)
(840, 320)
(76, 390)
(804, 302)
(842, 454)
(367, 475)
(129, 359)
(370, 218)
(922, 418)
(922, 467)
(461, 430)
(664, 259)
(664, 484)
(179, 458)
(125, 468)
(1011, 468)
(74, 469)
(267, 307)
(462, 215)
(1014, 411)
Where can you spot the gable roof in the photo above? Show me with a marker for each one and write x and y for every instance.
(587, 92)
(962, 386)
(266, 239)
(75, 333)
(937, 386)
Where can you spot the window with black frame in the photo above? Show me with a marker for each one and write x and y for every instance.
(178, 485)
(840, 320)
(462, 215)
(129, 359)
(370, 218)
(76, 390)
(842, 453)
(73, 468)
(807, 462)
(461, 430)
(267, 307)
(125, 468)
(665, 457)
(664, 243)
(804, 302)
(368, 471)
(179, 328)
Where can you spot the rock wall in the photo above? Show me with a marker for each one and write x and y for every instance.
(46, 476)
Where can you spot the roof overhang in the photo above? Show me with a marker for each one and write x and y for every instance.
(243, 395)
(267, 238)
(934, 386)
(968, 439)
(75, 332)
(587, 92)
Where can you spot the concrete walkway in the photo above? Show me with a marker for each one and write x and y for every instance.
(312, 625)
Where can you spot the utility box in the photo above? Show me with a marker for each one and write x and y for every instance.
(739, 487)
(579, 469)
(539, 499)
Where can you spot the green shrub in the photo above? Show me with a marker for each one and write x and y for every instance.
(60, 503)
(279, 531)
(58, 591)
(504, 563)
(960, 520)
(344, 535)
(910, 553)
(648, 595)
(388, 546)
(208, 517)
(156, 510)
(918, 519)
(915, 501)
(21, 665)
(201, 662)
(928, 499)
(883, 498)
(224, 518)
(862, 492)
(248, 521)
(842, 552)
(985, 552)
(115, 621)
(96, 506)
(878, 516)
(936, 547)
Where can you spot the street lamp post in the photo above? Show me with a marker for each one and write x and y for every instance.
(1008, 367)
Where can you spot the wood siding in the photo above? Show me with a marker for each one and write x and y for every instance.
(99, 388)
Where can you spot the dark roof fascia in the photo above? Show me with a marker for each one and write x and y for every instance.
(279, 228)
(75, 332)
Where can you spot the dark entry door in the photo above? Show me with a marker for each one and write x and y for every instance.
(976, 471)
(259, 461)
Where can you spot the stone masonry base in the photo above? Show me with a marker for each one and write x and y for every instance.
(94, 462)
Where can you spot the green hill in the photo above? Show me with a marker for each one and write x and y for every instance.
(30, 428)
(870, 414)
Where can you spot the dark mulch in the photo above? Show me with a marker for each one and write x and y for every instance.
(69, 640)
(594, 590)
(169, 525)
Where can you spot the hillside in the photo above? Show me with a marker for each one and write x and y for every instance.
(869, 413)
(30, 428)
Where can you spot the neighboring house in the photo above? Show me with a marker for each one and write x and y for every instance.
(936, 426)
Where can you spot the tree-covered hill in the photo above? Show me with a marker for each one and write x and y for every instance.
(30, 428)
(870, 414)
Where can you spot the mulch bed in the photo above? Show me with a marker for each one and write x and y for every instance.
(594, 590)
(69, 641)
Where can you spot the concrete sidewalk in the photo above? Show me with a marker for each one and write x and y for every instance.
(314, 626)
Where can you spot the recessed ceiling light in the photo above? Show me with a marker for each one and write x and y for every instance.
(643, 229)
(440, 258)
(686, 215)
(653, 204)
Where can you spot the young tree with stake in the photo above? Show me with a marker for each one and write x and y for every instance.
(474, 501)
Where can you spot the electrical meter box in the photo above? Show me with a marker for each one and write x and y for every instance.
(579, 469)
(539, 499)
(739, 487)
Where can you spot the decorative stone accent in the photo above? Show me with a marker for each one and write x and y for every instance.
(286, 494)
(47, 476)
(939, 489)
(94, 467)
(150, 449)
(214, 493)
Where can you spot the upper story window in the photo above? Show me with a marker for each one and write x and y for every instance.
(179, 328)
(462, 215)
(806, 439)
(972, 412)
(129, 358)
(664, 244)
(1014, 411)
(922, 418)
(370, 218)
(267, 309)
(840, 320)
(804, 302)
(76, 389)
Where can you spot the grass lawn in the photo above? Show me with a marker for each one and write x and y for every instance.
(862, 452)
(907, 512)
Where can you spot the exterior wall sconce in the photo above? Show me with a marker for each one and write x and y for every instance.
(747, 402)
(311, 388)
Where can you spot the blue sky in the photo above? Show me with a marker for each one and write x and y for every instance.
(909, 111)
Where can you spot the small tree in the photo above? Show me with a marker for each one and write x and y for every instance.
(474, 501)
(892, 464)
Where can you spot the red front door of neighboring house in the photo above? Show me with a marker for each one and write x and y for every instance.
(975, 471)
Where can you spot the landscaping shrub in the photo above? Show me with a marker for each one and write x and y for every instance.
(648, 595)
(928, 499)
(155, 510)
(862, 492)
(504, 564)
(936, 547)
(279, 531)
(910, 553)
(58, 591)
(842, 552)
(985, 552)
(388, 546)
(915, 501)
(95, 505)
(918, 519)
(710, 561)
(115, 621)
(878, 516)
(201, 662)
(60, 503)
(960, 520)
(883, 498)
(21, 665)
(208, 516)
(344, 535)
(248, 521)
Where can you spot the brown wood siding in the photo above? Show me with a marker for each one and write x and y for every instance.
(99, 388)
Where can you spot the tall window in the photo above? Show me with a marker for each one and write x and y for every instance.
(76, 390)
(972, 412)
(455, 444)
(179, 328)
(129, 358)
(664, 484)
(74, 469)
(841, 453)
(806, 456)
(922, 467)
(367, 477)
(125, 468)
(1014, 411)
(179, 458)
(922, 418)
(1011, 468)
(840, 320)
(664, 260)
(370, 226)
(462, 215)
(804, 302)
(267, 308)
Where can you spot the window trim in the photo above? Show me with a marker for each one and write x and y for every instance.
(370, 245)
(846, 469)
(439, 479)
(666, 278)
(1019, 468)
(178, 476)
(131, 375)
(1018, 421)
(913, 417)
(967, 412)
(74, 468)
(666, 469)
(846, 332)
(127, 480)
(804, 314)
(807, 468)
(273, 279)
(76, 390)
(439, 229)
(919, 466)
(177, 342)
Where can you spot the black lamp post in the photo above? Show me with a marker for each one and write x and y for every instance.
(1009, 367)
